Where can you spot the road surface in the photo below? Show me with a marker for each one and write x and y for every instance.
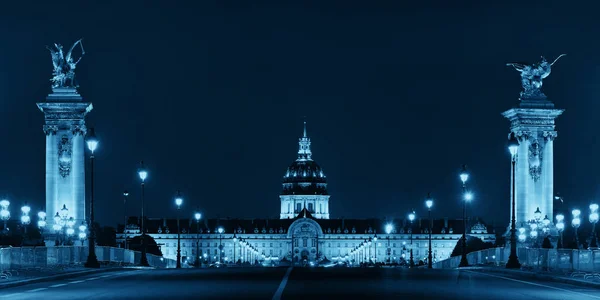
(297, 283)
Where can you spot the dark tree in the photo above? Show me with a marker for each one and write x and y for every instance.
(135, 244)
(473, 244)
(546, 244)
(106, 236)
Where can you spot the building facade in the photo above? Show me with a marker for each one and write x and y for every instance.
(305, 231)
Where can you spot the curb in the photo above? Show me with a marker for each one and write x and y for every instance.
(537, 276)
(55, 277)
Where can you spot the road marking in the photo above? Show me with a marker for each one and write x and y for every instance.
(37, 290)
(104, 276)
(536, 284)
(10, 295)
(78, 281)
(58, 285)
(94, 278)
(284, 281)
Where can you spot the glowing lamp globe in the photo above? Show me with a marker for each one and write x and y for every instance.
(221, 230)
(576, 222)
(25, 220)
(25, 209)
(560, 226)
(56, 218)
(411, 216)
(546, 220)
(389, 228)
(82, 227)
(125, 193)
(593, 207)
(429, 203)
(4, 214)
(594, 217)
(521, 230)
(375, 238)
(522, 237)
(4, 203)
(534, 226)
(560, 218)
(469, 196)
(70, 231)
(42, 215)
(71, 222)
(576, 213)
(64, 212)
(41, 223)
(91, 140)
(197, 216)
(178, 201)
(142, 172)
(513, 144)
(56, 227)
(464, 175)
(534, 234)
(82, 235)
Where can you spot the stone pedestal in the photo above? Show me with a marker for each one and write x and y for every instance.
(533, 124)
(64, 113)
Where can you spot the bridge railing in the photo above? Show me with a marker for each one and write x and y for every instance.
(29, 257)
(534, 258)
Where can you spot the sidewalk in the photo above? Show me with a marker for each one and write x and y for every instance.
(40, 274)
(588, 279)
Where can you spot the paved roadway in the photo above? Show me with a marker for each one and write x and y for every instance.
(297, 283)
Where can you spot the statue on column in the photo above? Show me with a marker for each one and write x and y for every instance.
(63, 75)
(532, 76)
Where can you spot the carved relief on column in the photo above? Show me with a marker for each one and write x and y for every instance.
(50, 129)
(78, 130)
(535, 159)
(65, 153)
(549, 135)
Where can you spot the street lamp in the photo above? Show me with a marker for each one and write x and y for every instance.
(82, 234)
(513, 259)
(41, 222)
(4, 213)
(92, 260)
(429, 204)
(522, 236)
(143, 175)
(594, 220)
(220, 230)
(375, 242)
(234, 242)
(25, 219)
(125, 194)
(411, 218)
(388, 229)
(464, 176)
(178, 202)
(560, 226)
(197, 216)
(576, 222)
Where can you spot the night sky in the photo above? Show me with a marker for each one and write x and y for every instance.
(212, 95)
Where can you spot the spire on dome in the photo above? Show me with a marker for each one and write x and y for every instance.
(304, 152)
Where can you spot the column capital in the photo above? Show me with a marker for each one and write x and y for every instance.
(78, 130)
(50, 129)
(549, 135)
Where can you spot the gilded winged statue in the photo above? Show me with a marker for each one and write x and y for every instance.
(64, 65)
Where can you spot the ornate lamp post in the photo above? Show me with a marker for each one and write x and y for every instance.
(388, 229)
(513, 259)
(92, 260)
(234, 242)
(594, 220)
(522, 236)
(375, 242)
(197, 216)
(82, 234)
(560, 226)
(429, 204)
(464, 176)
(178, 202)
(143, 175)
(220, 243)
(576, 222)
(25, 219)
(411, 218)
(125, 194)
(4, 214)
(41, 223)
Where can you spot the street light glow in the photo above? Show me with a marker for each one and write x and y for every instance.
(513, 144)
(593, 207)
(220, 229)
(560, 217)
(576, 213)
(25, 209)
(178, 201)
(389, 228)
(429, 203)
(576, 222)
(91, 140)
(411, 216)
(42, 215)
(142, 172)
(197, 216)
(468, 196)
(4, 203)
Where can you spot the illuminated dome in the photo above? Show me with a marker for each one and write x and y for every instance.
(304, 176)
